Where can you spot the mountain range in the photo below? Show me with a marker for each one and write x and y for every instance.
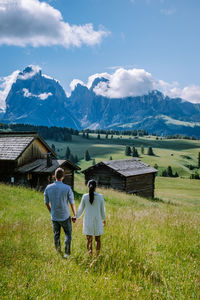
(35, 98)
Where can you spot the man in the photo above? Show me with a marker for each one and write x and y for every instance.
(56, 197)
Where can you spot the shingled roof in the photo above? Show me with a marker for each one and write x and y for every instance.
(13, 144)
(40, 166)
(125, 167)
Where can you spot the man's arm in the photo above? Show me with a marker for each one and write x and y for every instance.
(48, 207)
(46, 200)
(72, 203)
(73, 206)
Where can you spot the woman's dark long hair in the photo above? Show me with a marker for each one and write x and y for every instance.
(92, 185)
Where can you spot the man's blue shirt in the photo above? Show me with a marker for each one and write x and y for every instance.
(58, 194)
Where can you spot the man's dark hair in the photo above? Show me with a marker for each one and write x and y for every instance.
(59, 173)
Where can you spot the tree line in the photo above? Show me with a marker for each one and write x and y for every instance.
(139, 132)
(59, 134)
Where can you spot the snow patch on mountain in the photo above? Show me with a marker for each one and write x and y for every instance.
(42, 96)
(5, 86)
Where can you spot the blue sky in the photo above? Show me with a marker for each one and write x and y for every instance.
(159, 36)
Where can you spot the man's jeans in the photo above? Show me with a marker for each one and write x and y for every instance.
(67, 227)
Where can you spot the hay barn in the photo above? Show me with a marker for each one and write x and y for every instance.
(26, 159)
(129, 175)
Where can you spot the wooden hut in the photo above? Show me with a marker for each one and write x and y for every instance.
(25, 158)
(129, 175)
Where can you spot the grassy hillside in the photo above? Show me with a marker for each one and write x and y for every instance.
(150, 249)
(177, 153)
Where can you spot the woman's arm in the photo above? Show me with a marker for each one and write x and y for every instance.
(81, 208)
(103, 214)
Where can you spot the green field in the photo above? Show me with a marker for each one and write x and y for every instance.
(150, 249)
(178, 153)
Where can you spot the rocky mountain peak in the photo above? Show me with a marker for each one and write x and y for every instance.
(38, 99)
(97, 81)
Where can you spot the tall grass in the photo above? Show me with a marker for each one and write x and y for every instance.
(150, 249)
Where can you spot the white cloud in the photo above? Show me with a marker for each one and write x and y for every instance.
(42, 96)
(35, 23)
(190, 93)
(74, 83)
(97, 75)
(30, 71)
(5, 86)
(125, 83)
(137, 82)
(122, 83)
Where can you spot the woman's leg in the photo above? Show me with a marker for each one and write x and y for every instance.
(98, 243)
(89, 243)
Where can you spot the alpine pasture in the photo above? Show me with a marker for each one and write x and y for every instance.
(150, 248)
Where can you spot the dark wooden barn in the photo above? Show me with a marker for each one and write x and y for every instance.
(25, 158)
(129, 175)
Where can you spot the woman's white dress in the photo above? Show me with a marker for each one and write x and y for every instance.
(94, 214)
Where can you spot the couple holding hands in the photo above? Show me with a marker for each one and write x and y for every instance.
(56, 197)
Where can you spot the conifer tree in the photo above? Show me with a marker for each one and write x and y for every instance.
(142, 149)
(128, 151)
(169, 171)
(164, 173)
(68, 152)
(87, 155)
(150, 151)
(134, 152)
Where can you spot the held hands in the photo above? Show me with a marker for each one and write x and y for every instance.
(74, 219)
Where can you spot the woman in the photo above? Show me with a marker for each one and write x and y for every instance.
(94, 218)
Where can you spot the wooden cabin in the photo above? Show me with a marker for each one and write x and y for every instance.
(129, 175)
(25, 158)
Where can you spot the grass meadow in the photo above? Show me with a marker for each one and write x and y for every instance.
(178, 153)
(150, 249)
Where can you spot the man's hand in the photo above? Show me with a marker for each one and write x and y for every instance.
(104, 222)
(74, 219)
